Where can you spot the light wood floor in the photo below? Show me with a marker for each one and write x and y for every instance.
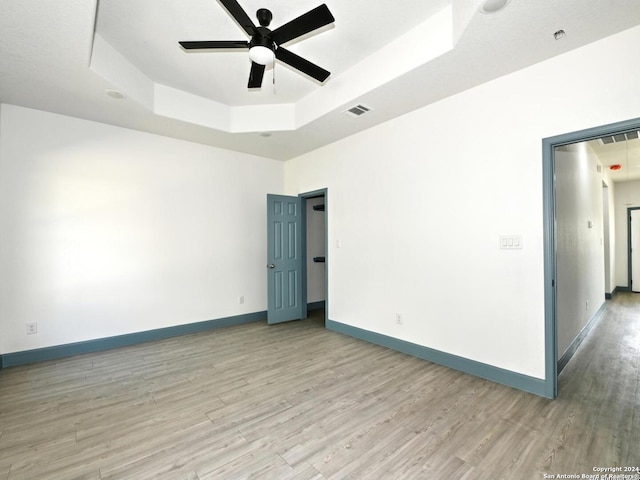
(295, 401)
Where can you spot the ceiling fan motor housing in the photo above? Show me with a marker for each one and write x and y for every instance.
(262, 38)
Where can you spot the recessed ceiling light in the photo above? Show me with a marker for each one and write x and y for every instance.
(117, 94)
(559, 34)
(493, 6)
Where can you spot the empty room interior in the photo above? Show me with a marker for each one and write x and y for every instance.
(284, 240)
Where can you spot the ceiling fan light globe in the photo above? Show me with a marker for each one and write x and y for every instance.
(261, 55)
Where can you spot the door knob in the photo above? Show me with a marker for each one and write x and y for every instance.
(271, 265)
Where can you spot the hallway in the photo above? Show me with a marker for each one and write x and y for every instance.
(599, 392)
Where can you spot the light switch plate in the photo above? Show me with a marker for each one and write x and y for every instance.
(510, 242)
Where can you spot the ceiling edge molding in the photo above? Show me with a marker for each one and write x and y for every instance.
(261, 118)
(180, 105)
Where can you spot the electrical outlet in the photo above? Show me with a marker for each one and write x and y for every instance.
(32, 328)
(398, 318)
(241, 299)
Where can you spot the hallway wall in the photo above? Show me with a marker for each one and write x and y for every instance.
(579, 240)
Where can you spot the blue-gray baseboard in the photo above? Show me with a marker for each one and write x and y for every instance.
(478, 369)
(489, 372)
(571, 350)
(99, 344)
(620, 289)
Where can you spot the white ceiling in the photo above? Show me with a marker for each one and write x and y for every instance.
(625, 153)
(394, 56)
(147, 31)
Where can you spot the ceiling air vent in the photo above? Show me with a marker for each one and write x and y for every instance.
(620, 137)
(358, 110)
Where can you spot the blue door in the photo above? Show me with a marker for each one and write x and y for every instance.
(284, 259)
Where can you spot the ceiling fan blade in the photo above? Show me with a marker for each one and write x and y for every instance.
(240, 16)
(308, 22)
(255, 76)
(299, 63)
(214, 44)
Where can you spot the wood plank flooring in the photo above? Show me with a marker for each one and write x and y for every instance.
(295, 401)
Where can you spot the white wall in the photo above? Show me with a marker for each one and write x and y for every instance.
(106, 231)
(579, 239)
(609, 233)
(627, 195)
(418, 205)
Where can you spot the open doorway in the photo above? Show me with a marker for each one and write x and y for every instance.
(315, 275)
(297, 277)
(633, 253)
(552, 192)
(580, 260)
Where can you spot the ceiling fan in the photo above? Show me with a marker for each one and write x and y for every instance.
(265, 44)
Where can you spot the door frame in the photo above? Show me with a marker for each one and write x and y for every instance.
(549, 236)
(308, 195)
(629, 253)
